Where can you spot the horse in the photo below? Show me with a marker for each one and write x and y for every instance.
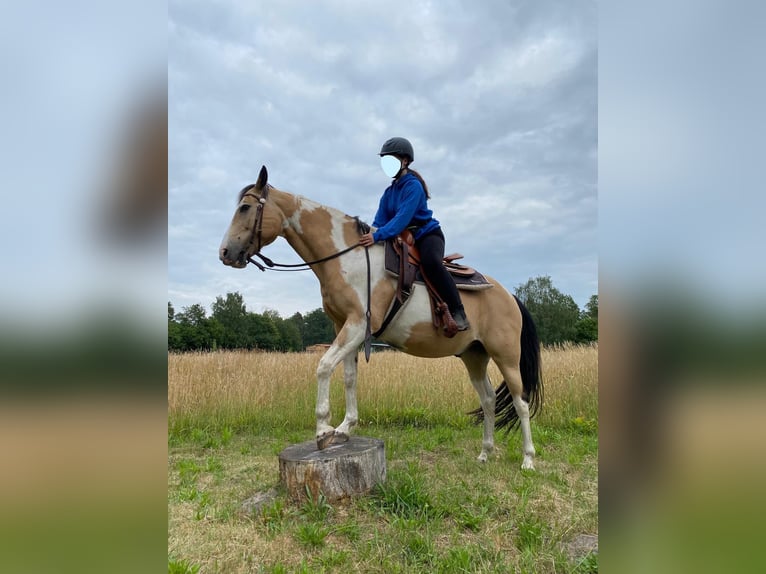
(356, 295)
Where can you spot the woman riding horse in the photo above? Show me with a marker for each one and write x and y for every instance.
(404, 206)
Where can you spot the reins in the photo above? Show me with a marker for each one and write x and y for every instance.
(362, 228)
(270, 265)
(306, 265)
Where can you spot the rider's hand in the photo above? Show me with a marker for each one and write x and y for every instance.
(366, 240)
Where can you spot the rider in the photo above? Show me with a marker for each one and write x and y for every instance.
(404, 206)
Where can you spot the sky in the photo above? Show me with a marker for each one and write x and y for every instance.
(65, 107)
(499, 100)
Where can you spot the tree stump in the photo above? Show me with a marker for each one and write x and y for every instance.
(339, 471)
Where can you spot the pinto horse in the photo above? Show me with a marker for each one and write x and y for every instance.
(357, 293)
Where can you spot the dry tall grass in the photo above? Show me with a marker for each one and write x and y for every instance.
(267, 390)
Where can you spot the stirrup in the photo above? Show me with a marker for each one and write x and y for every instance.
(461, 321)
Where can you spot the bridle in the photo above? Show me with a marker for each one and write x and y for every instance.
(255, 238)
(257, 242)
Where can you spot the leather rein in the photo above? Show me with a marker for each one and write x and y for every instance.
(255, 238)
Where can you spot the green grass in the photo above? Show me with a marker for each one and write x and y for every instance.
(181, 567)
(315, 508)
(404, 495)
(311, 534)
(272, 518)
(439, 510)
(588, 564)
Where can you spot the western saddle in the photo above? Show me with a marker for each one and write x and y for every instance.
(403, 261)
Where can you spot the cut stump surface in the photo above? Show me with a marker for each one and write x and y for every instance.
(338, 471)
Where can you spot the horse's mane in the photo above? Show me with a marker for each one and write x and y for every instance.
(303, 199)
(244, 191)
(333, 210)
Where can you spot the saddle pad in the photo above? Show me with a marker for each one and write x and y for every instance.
(460, 273)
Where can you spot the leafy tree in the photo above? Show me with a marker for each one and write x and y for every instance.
(175, 337)
(194, 330)
(318, 328)
(587, 326)
(289, 334)
(193, 315)
(555, 313)
(587, 330)
(216, 333)
(261, 333)
(591, 307)
(298, 322)
(272, 315)
(231, 326)
(231, 313)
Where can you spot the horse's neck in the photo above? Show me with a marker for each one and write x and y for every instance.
(314, 230)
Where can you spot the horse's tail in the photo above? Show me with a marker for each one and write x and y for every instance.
(531, 378)
(531, 366)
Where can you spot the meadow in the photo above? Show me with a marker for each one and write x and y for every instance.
(231, 413)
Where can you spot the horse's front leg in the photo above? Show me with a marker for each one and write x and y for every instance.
(343, 432)
(346, 343)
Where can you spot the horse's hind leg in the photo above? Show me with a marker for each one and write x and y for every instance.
(513, 380)
(475, 361)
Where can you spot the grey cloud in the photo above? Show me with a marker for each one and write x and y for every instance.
(499, 99)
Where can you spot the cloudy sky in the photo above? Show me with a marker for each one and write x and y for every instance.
(65, 108)
(498, 98)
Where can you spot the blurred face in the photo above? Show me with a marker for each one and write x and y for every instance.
(391, 165)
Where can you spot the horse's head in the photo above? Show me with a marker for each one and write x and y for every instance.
(256, 223)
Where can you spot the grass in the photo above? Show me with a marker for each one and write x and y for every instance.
(404, 495)
(230, 414)
(213, 395)
(181, 567)
(315, 508)
(311, 534)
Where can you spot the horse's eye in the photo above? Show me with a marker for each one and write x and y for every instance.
(244, 208)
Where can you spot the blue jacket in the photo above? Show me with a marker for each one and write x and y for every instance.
(403, 204)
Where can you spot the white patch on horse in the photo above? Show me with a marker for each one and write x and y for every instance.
(353, 267)
(336, 233)
(304, 206)
(417, 309)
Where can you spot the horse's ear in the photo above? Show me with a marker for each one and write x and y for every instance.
(263, 178)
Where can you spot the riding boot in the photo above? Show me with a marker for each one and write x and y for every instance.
(461, 319)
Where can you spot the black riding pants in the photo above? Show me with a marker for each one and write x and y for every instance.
(431, 248)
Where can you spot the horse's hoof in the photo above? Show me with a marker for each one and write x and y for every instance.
(325, 439)
(482, 457)
(528, 465)
(339, 438)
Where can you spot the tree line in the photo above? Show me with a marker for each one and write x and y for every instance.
(232, 326)
(557, 317)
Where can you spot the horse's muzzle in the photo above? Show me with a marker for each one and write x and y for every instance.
(239, 262)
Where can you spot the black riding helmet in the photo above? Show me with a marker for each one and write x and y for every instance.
(398, 146)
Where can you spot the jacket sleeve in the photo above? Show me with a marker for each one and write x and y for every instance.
(408, 205)
(380, 217)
